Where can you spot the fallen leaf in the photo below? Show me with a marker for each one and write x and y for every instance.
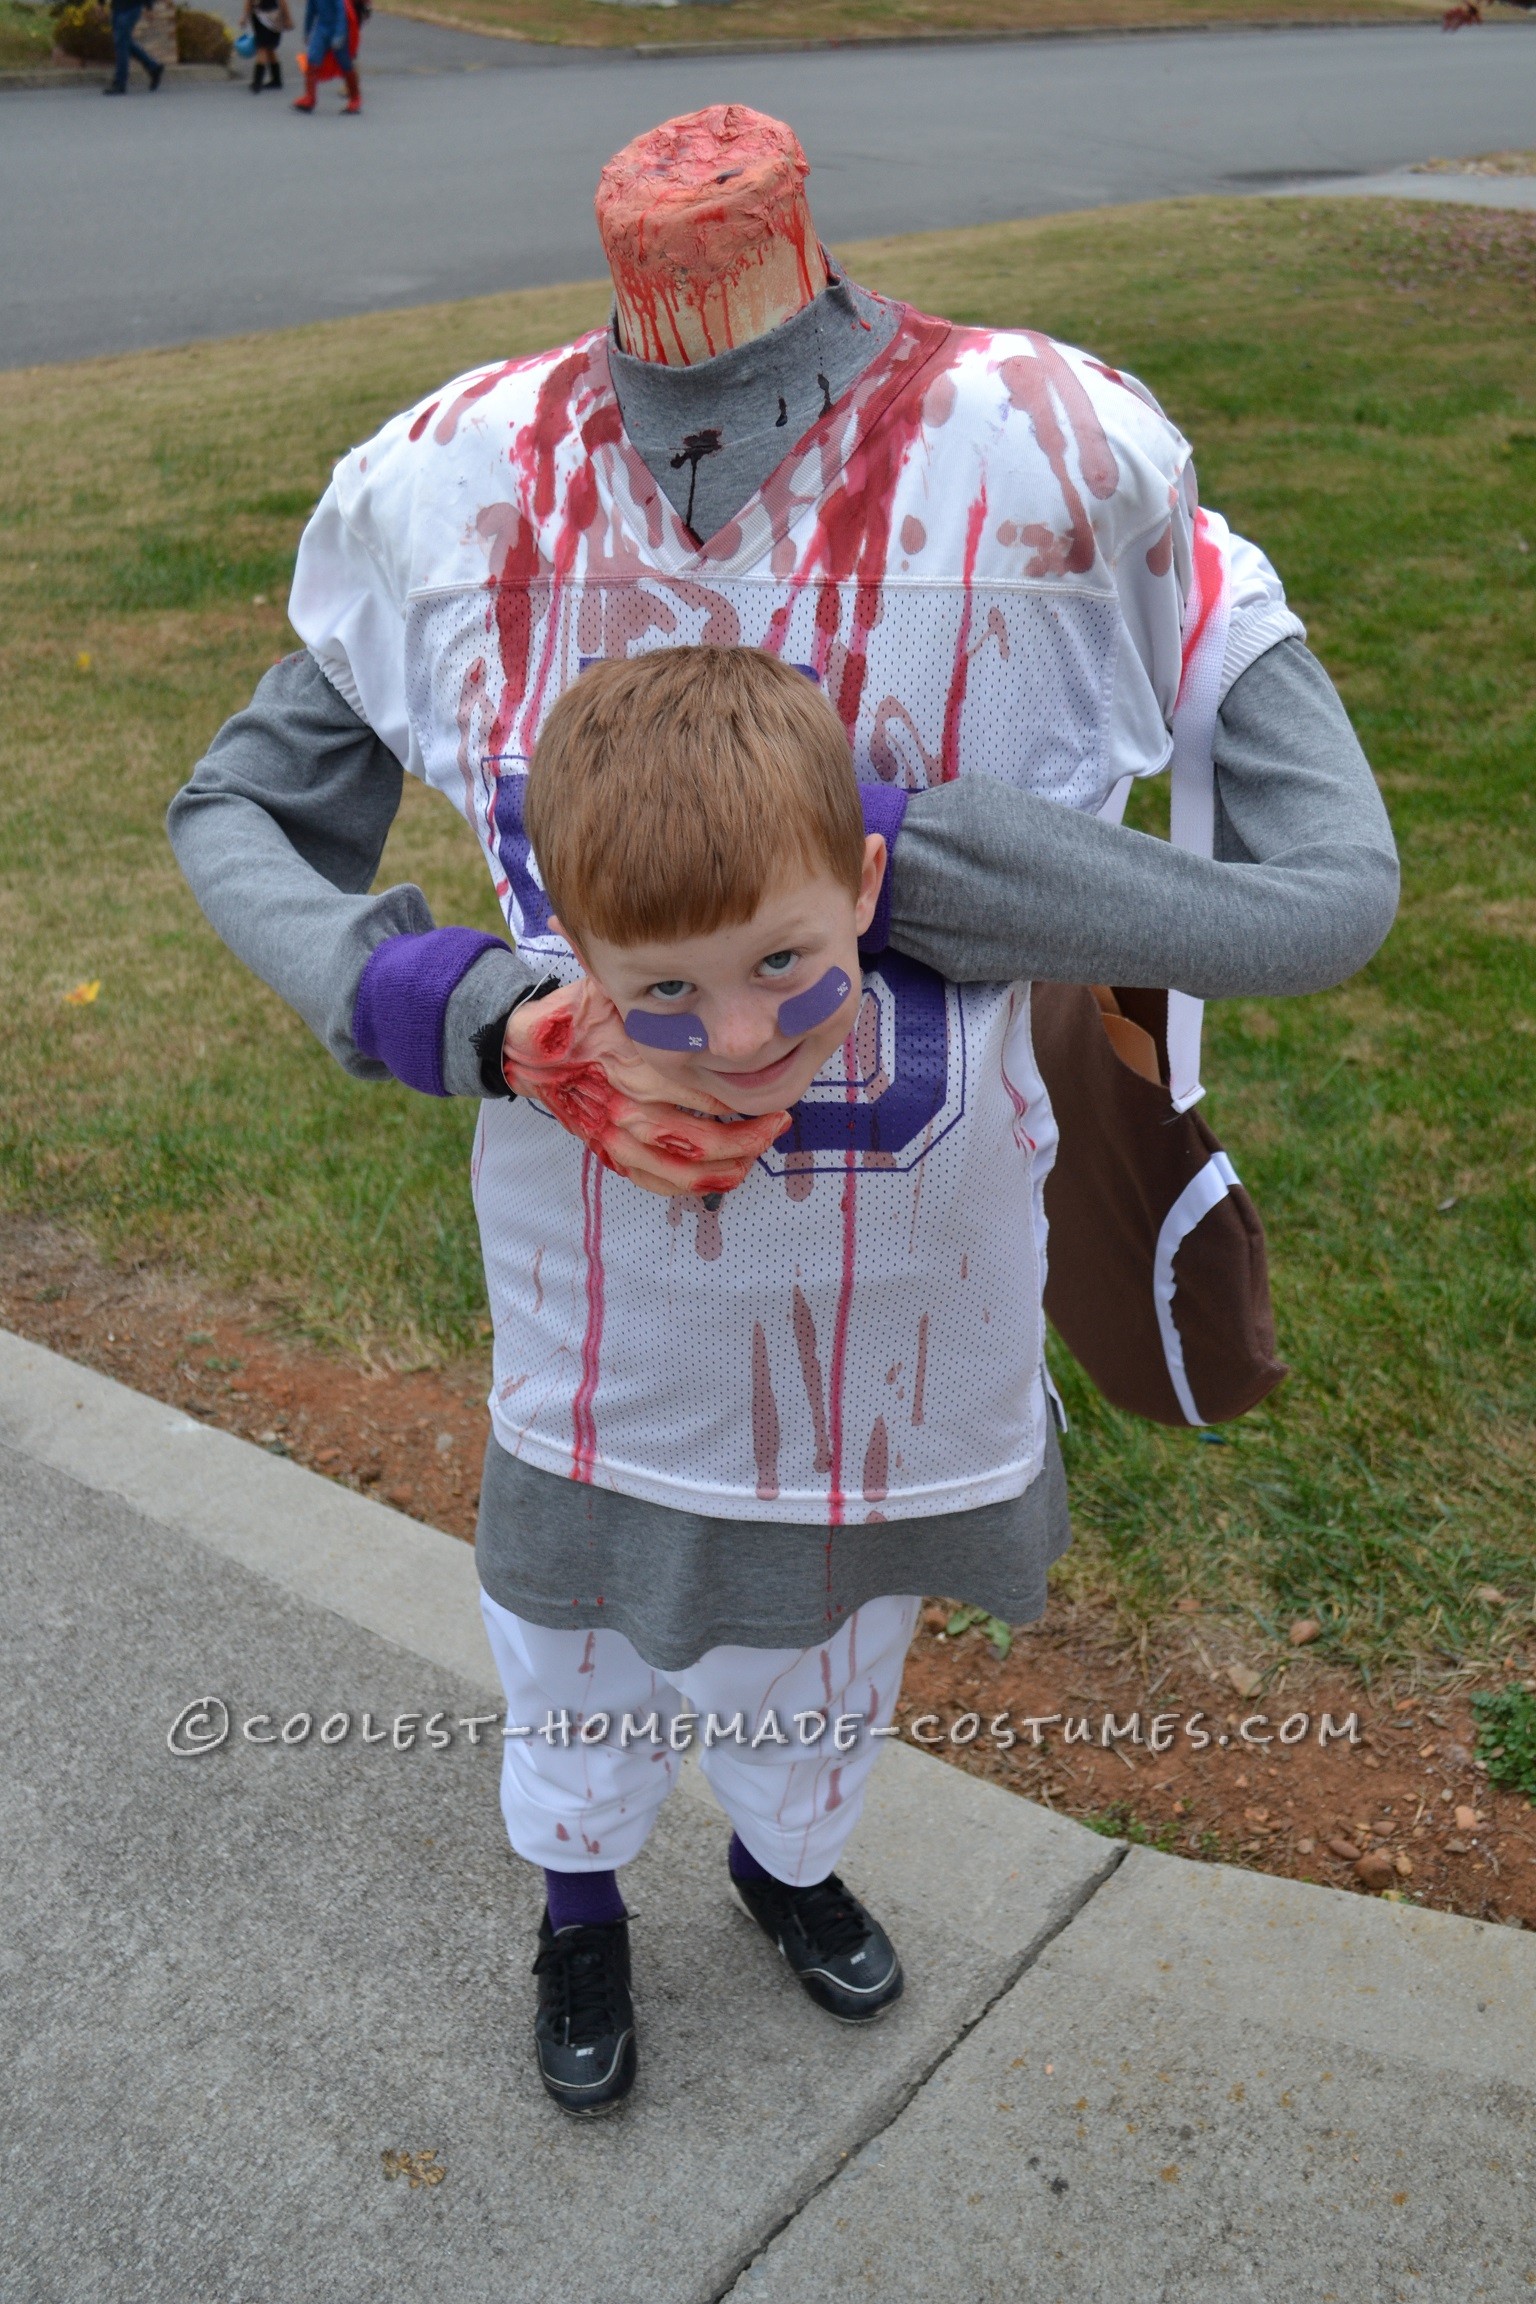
(1467, 1819)
(420, 2167)
(1242, 1679)
(1304, 1631)
(1489, 1596)
(1376, 1869)
(83, 660)
(1188, 1606)
(83, 994)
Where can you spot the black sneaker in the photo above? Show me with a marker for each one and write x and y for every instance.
(585, 2028)
(840, 1952)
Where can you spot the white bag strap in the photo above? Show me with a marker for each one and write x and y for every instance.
(1192, 776)
(1206, 1190)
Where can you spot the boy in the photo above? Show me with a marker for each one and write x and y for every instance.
(826, 1347)
(988, 549)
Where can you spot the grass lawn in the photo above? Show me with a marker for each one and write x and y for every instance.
(600, 24)
(1361, 385)
(26, 36)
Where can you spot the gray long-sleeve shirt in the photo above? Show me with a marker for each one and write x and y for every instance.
(281, 828)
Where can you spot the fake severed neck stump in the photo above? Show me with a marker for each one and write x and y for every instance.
(708, 234)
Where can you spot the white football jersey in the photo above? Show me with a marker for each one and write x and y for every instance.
(984, 553)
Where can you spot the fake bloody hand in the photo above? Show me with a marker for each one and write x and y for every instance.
(569, 1051)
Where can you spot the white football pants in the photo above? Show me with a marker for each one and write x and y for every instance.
(589, 1807)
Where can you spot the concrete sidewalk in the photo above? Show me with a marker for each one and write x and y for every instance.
(1415, 184)
(234, 1982)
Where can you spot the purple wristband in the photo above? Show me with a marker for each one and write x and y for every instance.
(884, 807)
(402, 1000)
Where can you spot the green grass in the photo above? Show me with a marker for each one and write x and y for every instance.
(1120, 1822)
(1361, 386)
(26, 36)
(1506, 1737)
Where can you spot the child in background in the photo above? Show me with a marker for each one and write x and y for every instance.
(267, 21)
(698, 829)
(332, 29)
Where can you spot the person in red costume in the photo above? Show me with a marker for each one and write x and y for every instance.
(332, 30)
(729, 1445)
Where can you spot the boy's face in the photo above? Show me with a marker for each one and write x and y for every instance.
(736, 980)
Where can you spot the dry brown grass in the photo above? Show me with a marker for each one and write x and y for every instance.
(793, 23)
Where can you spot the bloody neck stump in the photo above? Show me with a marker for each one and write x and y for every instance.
(708, 234)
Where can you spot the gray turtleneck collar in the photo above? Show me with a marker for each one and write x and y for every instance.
(711, 434)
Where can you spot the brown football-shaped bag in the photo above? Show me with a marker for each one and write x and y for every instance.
(1157, 1277)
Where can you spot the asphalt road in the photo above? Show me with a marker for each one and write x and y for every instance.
(201, 212)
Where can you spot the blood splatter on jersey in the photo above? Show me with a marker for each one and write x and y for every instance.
(983, 552)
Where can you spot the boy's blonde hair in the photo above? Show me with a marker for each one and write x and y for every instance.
(668, 793)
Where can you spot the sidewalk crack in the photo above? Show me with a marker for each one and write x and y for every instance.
(1081, 1897)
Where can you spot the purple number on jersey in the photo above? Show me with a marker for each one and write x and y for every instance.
(514, 853)
(920, 1075)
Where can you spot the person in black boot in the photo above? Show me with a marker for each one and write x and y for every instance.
(267, 21)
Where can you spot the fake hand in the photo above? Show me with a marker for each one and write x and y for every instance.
(570, 1052)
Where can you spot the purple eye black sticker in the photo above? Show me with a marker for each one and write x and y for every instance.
(682, 1035)
(808, 1009)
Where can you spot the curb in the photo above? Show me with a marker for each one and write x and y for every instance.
(84, 75)
(411, 1584)
(1403, 184)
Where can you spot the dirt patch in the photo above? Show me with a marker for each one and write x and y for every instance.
(413, 1438)
(1399, 1796)
(1395, 1802)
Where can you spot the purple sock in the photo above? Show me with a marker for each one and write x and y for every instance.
(744, 1865)
(583, 1899)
